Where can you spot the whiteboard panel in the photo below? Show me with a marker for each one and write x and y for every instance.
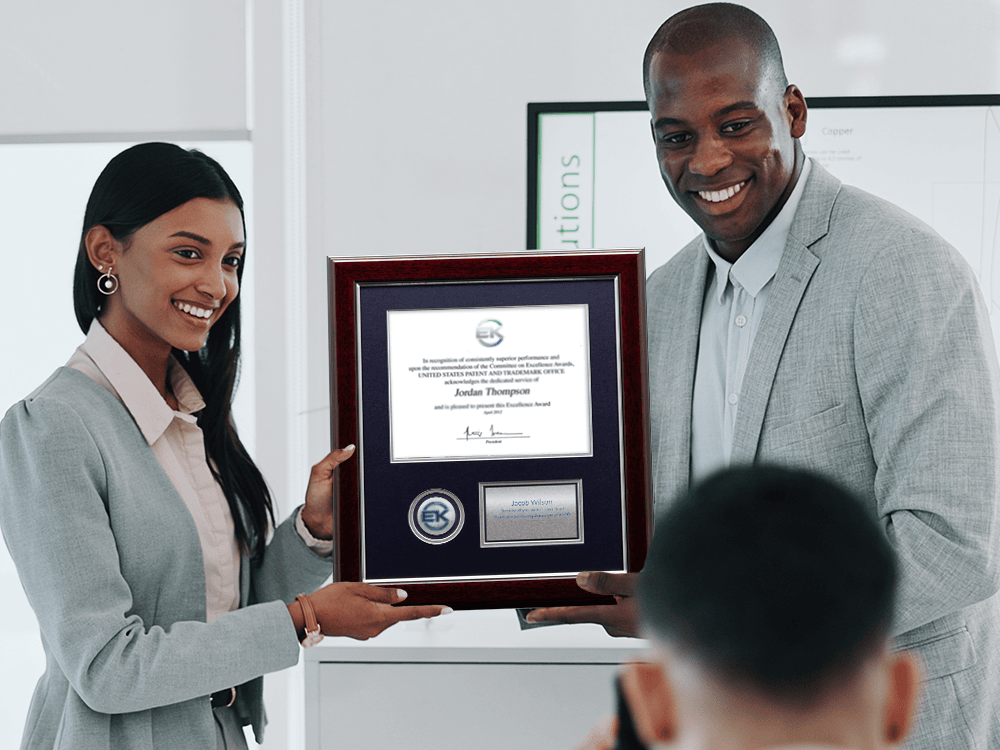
(936, 157)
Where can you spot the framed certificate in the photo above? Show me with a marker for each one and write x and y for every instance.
(499, 408)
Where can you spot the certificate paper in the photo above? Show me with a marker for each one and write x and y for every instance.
(489, 382)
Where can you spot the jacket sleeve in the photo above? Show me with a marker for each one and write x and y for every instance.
(927, 374)
(288, 566)
(53, 490)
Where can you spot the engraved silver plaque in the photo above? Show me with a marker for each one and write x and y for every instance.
(522, 514)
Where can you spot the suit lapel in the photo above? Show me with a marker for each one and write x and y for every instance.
(679, 320)
(798, 263)
(790, 281)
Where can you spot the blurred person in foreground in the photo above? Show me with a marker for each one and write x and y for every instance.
(768, 599)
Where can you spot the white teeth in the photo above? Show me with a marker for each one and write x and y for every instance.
(717, 196)
(192, 310)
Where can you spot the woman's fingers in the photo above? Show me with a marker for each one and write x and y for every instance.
(399, 614)
(323, 470)
(384, 595)
(421, 611)
(361, 611)
(318, 511)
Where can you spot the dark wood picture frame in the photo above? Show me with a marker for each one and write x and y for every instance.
(347, 276)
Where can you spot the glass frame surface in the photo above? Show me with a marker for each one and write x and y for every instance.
(398, 523)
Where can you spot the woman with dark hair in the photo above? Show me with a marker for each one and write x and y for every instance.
(142, 531)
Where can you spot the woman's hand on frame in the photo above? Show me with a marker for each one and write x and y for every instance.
(360, 611)
(317, 514)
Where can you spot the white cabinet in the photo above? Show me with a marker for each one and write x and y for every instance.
(460, 695)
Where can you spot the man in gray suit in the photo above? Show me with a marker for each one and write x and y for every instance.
(818, 326)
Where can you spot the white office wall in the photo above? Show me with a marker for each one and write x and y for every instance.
(122, 66)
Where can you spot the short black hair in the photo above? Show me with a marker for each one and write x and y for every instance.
(776, 581)
(693, 29)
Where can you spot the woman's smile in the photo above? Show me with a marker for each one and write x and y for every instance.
(194, 311)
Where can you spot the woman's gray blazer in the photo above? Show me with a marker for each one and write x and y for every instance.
(110, 559)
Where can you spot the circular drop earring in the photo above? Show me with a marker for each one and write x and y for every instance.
(107, 284)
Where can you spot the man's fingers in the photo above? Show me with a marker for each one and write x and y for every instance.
(614, 584)
(567, 614)
(601, 737)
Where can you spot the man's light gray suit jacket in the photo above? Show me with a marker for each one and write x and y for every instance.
(110, 559)
(875, 365)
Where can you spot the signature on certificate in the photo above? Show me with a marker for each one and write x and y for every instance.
(470, 434)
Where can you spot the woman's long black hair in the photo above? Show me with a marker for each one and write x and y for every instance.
(137, 186)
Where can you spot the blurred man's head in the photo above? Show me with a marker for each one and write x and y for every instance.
(724, 120)
(768, 594)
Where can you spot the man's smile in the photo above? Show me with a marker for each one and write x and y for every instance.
(717, 196)
(723, 200)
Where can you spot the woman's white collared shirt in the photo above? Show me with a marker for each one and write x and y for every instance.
(178, 444)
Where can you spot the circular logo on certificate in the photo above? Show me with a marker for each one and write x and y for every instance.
(436, 516)
(488, 333)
